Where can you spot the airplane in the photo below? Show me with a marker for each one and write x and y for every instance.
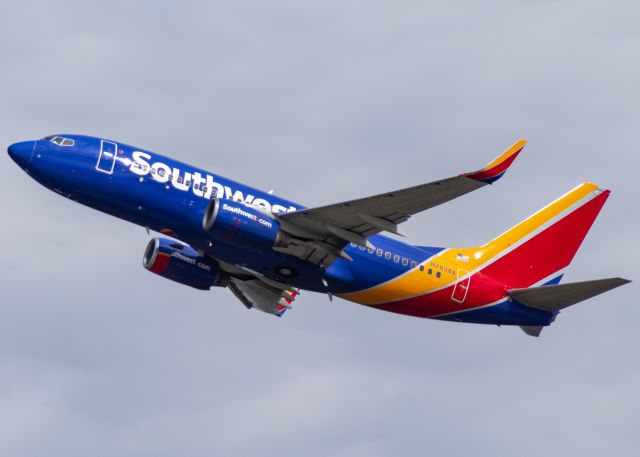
(266, 249)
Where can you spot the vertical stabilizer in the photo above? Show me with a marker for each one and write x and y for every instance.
(538, 249)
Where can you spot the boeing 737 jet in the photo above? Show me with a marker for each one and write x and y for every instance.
(265, 249)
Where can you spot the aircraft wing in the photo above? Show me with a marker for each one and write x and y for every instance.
(327, 229)
(267, 297)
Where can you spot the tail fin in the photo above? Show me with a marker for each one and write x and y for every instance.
(537, 250)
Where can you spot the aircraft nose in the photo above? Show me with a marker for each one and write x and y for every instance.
(21, 153)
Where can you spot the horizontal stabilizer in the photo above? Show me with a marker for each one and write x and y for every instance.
(557, 297)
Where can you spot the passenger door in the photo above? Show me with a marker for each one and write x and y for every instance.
(107, 157)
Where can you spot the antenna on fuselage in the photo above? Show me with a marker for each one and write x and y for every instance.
(326, 286)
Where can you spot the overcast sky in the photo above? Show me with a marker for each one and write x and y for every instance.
(322, 101)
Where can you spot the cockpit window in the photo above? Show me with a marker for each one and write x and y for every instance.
(60, 141)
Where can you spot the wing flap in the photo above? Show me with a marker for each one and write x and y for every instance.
(256, 293)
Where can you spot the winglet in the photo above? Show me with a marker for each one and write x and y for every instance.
(499, 166)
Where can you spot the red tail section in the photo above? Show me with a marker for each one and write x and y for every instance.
(538, 249)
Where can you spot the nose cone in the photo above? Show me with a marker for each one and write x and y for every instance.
(21, 153)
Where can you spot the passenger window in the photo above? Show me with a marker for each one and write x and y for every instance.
(379, 252)
(396, 258)
(405, 262)
(362, 248)
(421, 267)
(430, 271)
(413, 264)
(387, 255)
(438, 274)
(370, 250)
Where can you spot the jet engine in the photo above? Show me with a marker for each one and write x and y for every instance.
(242, 224)
(181, 263)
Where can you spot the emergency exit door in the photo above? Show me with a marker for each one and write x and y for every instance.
(462, 287)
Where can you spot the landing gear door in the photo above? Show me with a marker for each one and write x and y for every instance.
(107, 157)
(462, 287)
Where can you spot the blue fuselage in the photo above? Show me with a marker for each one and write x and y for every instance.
(169, 196)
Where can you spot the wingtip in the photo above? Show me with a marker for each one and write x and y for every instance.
(509, 155)
(499, 165)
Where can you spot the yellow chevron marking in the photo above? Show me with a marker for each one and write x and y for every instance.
(416, 282)
(506, 154)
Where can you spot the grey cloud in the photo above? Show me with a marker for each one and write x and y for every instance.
(322, 101)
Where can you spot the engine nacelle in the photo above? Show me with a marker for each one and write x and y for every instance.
(181, 263)
(242, 224)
